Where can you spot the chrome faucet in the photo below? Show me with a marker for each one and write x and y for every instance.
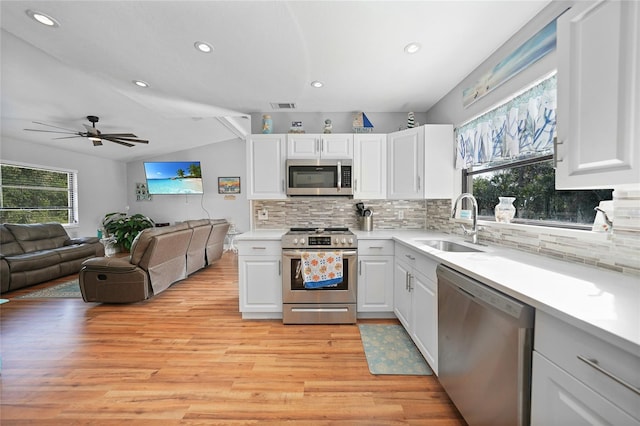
(473, 232)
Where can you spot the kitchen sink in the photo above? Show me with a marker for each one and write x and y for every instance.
(444, 245)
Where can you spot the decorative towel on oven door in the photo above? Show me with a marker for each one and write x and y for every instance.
(321, 268)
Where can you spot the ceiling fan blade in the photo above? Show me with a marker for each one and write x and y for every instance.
(51, 125)
(117, 141)
(52, 131)
(119, 135)
(69, 137)
(96, 142)
(127, 139)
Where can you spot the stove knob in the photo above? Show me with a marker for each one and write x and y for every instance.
(350, 241)
(344, 241)
(295, 241)
(302, 241)
(336, 241)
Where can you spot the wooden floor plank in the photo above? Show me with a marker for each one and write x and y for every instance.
(186, 357)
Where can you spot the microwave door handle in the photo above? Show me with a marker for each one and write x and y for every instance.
(339, 175)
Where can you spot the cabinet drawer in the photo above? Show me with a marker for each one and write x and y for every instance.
(417, 260)
(375, 247)
(596, 363)
(258, 248)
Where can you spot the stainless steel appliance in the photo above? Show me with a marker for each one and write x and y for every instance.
(319, 177)
(325, 305)
(484, 349)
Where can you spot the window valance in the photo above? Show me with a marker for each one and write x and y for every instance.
(520, 128)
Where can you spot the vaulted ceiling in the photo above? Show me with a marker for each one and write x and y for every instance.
(263, 52)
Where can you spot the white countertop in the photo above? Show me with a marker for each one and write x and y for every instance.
(601, 302)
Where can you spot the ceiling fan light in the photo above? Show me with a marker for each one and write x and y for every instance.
(42, 18)
(203, 46)
(141, 83)
(94, 139)
(317, 84)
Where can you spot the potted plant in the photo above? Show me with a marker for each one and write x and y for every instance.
(125, 228)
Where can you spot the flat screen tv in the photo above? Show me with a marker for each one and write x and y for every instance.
(173, 177)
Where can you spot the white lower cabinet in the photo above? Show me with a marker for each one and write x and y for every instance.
(260, 278)
(415, 299)
(579, 379)
(375, 277)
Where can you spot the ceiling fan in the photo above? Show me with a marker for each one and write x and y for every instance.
(93, 134)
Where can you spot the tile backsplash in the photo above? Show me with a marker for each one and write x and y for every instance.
(618, 251)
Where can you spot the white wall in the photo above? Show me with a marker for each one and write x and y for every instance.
(101, 183)
(221, 159)
(450, 110)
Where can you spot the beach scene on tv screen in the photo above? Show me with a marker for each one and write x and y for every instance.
(176, 177)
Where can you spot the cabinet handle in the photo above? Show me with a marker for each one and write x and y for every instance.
(406, 281)
(376, 247)
(410, 287)
(359, 267)
(282, 185)
(410, 257)
(355, 185)
(418, 183)
(258, 248)
(593, 363)
(556, 160)
(280, 267)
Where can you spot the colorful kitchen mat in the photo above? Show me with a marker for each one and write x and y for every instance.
(390, 350)
(69, 289)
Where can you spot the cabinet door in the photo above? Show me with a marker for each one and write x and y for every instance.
(375, 284)
(303, 146)
(440, 171)
(559, 399)
(424, 317)
(336, 146)
(401, 294)
(260, 283)
(370, 166)
(265, 167)
(598, 95)
(405, 161)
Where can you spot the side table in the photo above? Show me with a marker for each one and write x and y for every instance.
(231, 236)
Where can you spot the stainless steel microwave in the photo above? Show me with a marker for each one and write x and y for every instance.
(319, 177)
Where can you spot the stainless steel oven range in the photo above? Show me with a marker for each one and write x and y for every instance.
(330, 304)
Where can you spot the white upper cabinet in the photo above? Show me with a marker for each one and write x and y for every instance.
(334, 146)
(370, 166)
(265, 167)
(598, 95)
(440, 172)
(420, 163)
(405, 160)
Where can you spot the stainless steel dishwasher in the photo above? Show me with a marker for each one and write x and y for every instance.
(485, 339)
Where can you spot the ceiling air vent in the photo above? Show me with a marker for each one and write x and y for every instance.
(283, 105)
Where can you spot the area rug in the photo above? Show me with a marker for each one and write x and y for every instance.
(69, 289)
(390, 350)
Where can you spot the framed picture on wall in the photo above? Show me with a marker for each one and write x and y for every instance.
(228, 185)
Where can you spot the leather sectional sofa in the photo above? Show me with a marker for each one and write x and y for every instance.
(35, 253)
(159, 257)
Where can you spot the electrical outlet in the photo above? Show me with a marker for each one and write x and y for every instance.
(400, 214)
(263, 214)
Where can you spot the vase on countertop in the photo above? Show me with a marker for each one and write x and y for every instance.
(505, 210)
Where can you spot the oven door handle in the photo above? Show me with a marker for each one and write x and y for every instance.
(295, 254)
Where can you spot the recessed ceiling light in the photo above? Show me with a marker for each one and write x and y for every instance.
(141, 83)
(412, 48)
(317, 84)
(42, 18)
(203, 46)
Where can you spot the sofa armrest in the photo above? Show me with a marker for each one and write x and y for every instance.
(81, 240)
(110, 264)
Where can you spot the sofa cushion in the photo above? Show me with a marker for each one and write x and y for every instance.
(32, 261)
(38, 236)
(8, 244)
(79, 251)
(143, 239)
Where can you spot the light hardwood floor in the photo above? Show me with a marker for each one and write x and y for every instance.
(186, 357)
